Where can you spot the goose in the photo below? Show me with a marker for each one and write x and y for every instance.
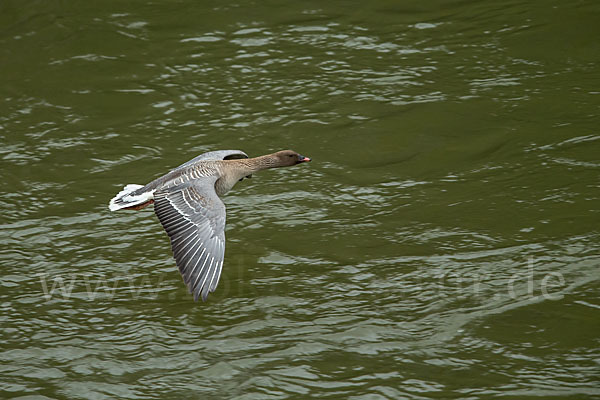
(187, 202)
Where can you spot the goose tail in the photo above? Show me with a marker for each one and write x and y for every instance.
(132, 197)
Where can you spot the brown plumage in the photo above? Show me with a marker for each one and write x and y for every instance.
(186, 201)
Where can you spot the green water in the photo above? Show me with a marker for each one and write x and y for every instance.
(443, 243)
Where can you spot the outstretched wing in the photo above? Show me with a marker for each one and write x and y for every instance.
(194, 218)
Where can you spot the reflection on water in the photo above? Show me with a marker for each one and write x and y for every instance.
(442, 244)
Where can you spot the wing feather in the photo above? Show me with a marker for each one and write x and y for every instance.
(215, 155)
(194, 218)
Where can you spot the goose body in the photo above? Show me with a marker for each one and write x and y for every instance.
(188, 205)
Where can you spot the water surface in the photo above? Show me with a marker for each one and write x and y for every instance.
(443, 243)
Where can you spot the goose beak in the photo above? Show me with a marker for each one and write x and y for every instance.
(301, 158)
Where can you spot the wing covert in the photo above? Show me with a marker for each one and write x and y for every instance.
(215, 155)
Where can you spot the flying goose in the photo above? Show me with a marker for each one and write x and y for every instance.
(188, 205)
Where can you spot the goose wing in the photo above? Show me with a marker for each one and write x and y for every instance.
(194, 218)
(215, 155)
